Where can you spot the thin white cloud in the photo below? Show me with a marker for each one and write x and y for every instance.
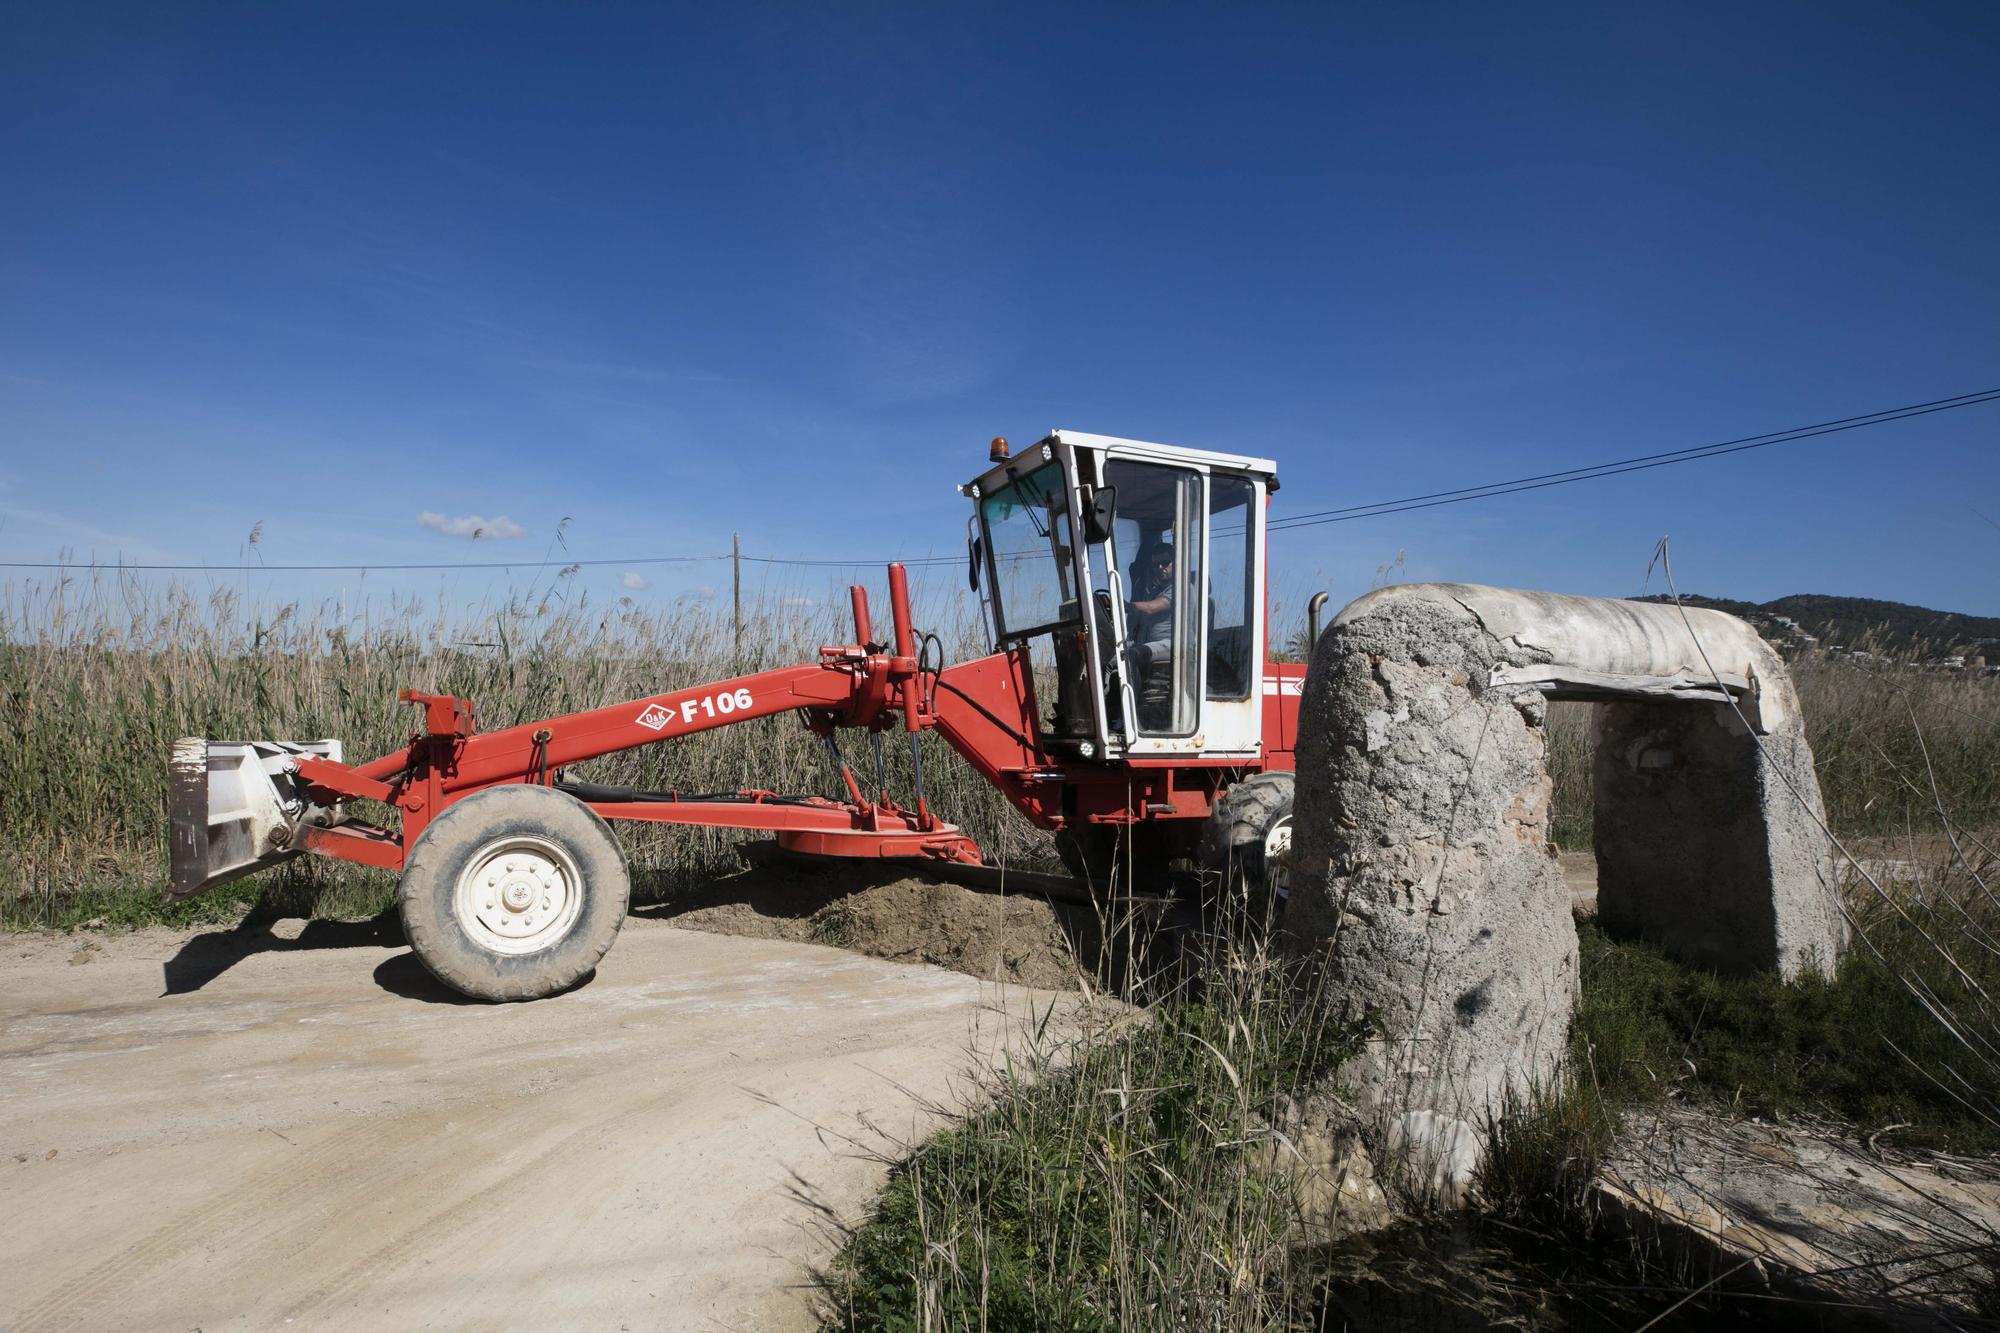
(633, 580)
(472, 527)
(66, 529)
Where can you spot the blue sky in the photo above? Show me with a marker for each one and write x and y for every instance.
(783, 270)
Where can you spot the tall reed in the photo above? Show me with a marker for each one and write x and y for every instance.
(99, 673)
(1892, 742)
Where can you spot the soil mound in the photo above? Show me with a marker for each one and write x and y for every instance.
(895, 912)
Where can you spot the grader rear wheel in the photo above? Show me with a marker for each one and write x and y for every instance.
(514, 893)
(1246, 845)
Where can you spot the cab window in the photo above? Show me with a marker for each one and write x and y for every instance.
(1156, 535)
(1028, 542)
(1231, 565)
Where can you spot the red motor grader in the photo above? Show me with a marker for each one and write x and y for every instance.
(1132, 574)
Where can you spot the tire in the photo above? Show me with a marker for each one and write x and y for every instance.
(1100, 853)
(514, 893)
(1246, 842)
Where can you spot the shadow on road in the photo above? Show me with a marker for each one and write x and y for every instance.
(208, 955)
(404, 975)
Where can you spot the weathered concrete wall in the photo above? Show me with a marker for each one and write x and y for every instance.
(1421, 865)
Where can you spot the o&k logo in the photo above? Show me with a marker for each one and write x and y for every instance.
(654, 718)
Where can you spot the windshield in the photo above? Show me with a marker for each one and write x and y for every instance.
(1027, 535)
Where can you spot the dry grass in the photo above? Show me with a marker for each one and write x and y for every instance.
(99, 674)
(1869, 728)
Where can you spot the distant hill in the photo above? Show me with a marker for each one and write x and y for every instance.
(1854, 621)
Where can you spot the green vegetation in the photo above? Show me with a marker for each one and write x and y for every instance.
(1119, 1183)
(1114, 1183)
(1859, 1050)
(1543, 1153)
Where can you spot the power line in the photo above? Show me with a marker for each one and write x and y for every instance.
(1310, 519)
(1677, 455)
(361, 566)
(854, 564)
(530, 562)
(1639, 464)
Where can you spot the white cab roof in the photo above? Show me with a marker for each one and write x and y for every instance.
(1165, 452)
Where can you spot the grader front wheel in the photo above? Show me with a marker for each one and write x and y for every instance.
(1247, 845)
(514, 893)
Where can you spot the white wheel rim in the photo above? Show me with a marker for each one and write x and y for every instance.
(1278, 860)
(519, 895)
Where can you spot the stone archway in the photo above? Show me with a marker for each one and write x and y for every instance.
(1422, 871)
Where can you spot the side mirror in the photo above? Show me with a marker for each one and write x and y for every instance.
(1099, 508)
(972, 552)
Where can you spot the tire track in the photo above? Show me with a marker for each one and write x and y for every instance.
(394, 1253)
(230, 1223)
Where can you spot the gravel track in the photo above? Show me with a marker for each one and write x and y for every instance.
(309, 1132)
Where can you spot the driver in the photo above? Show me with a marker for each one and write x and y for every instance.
(1153, 610)
(1152, 628)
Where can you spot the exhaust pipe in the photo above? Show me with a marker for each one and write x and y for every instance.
(237, 807)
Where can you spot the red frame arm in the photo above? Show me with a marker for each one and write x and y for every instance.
(499, 756)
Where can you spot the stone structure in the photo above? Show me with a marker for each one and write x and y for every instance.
(1702, 846)
(1421, 861)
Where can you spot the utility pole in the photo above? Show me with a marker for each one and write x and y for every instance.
(736, 579)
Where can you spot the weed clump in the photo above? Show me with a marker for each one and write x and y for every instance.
(1113, 1184)
(1543, 1153)
(1858, 1048)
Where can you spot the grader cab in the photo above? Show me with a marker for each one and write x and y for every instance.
(1153, 556)
(1130, 575)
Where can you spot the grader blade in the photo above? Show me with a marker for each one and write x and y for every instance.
(237, 807)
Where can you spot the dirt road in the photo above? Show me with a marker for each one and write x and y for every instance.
(310, 1133)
